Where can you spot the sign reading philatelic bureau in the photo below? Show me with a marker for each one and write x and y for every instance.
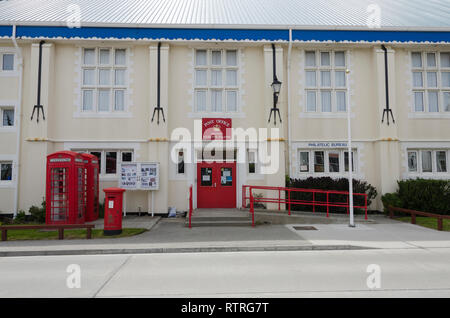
(216, 128)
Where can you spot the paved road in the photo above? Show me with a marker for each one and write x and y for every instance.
(404, 273)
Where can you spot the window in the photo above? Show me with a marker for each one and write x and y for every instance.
(6, 171)
(104, 84)
(330, 161)
(251, 159)
(216, 81)
(7, 62)
(431, 81)
(326, 82)
(7, 117)
(108, 160)
(428, 161)
(180, 164)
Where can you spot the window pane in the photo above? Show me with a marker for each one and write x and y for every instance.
(426, 161)
(127, 156)
(216, 101)
(445, 79)
(311, 78)
(325, 79)
(416, 59)
(200, 57)
(232, 78)
(446, 98)
(445, 59)
(304, 161)
(8, 117)
(341, 101)
(103, 77)
(231, 101)
(339, 59)
(120, 57)
(433, 101)
(418, 101)
(441, 161)
(8, 62)
(311, 101)
(346, 161)
(310, 59)
(119, 77)
(206, 174)
(216, 57)
(232, 58)
(103, 100)
(326, 101)
(104, 56)
(340, 79)
(111, 162)
(417, 79)
(325, 59)
(432, 79)
(200, 77)
(333, 160)
(216, 78)
(201, 101)
(98, 154)
(431, 60)
(88, 77)
(319, 161)
(6, 172)
(88, 99)
(119, 100)
(412, 161)
(89, 56)
(180, 163)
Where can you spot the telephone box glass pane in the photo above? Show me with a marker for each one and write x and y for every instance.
(58, 194)
(226, 177)
(206, 175)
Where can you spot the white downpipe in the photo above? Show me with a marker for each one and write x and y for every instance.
(19, 121)
(289, 101)
(350, 154)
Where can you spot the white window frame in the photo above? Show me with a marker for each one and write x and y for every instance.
(341, 151)
(4, 107)
(419, 171)
(14, 70)
(112, 87)
(8, 183)
(177, 173)
(209, 67)
(318, 89)
(103, 152)
(439, 89)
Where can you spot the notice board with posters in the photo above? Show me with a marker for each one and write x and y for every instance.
(139, 176)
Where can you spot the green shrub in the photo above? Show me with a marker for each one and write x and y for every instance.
(327, 183)
(425, 195)
(391, 199)
(38, 213)
(20, 217)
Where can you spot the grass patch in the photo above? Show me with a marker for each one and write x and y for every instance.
(19, 235)
(427, 222)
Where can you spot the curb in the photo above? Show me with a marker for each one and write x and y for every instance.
(183, 250)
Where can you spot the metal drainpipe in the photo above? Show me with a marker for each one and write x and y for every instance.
(18, 120)
(289, 101)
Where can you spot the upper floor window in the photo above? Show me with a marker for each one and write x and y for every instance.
(216, 80)
(325, 81)
(7, 62)
(103, 83)
(7, 117)
(431, 81)
(6, 170)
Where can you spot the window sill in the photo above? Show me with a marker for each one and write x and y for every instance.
(102, 115)
(200, 115)
(342, 115)
(9, 73)
(8, 129)
(112, 177)
(420, 115)
(7, 184)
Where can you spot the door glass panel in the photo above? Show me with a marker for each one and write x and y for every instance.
(226, 177)
(206, 175)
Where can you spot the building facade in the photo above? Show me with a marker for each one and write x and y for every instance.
(98, 86)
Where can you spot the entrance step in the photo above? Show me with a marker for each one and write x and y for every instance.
(220, 218)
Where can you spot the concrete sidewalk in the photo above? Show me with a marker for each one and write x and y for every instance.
(171, 236)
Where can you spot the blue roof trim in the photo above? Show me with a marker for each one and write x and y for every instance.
(5, 30)
(228, 34)
(370, 36)
(152, 33)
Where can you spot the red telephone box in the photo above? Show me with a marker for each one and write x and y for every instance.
(91, 165)
(66, 188)
(113, 211)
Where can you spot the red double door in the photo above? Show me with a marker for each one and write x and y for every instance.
(216, 185)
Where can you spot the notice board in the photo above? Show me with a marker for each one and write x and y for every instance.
(139, 176)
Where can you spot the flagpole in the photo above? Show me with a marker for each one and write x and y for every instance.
(350, 154)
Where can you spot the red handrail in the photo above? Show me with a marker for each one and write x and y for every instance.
(190, 206)
(288, 201)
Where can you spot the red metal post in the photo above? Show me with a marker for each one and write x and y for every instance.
(328, 207)
(365, 205)
(279, 199)
(252, 210)
(348, 205)
(314, 202)
(289, 201)
(190, 206)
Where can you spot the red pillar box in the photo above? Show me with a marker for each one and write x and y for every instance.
(65, 189)
(91, 164)
(113, 211)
